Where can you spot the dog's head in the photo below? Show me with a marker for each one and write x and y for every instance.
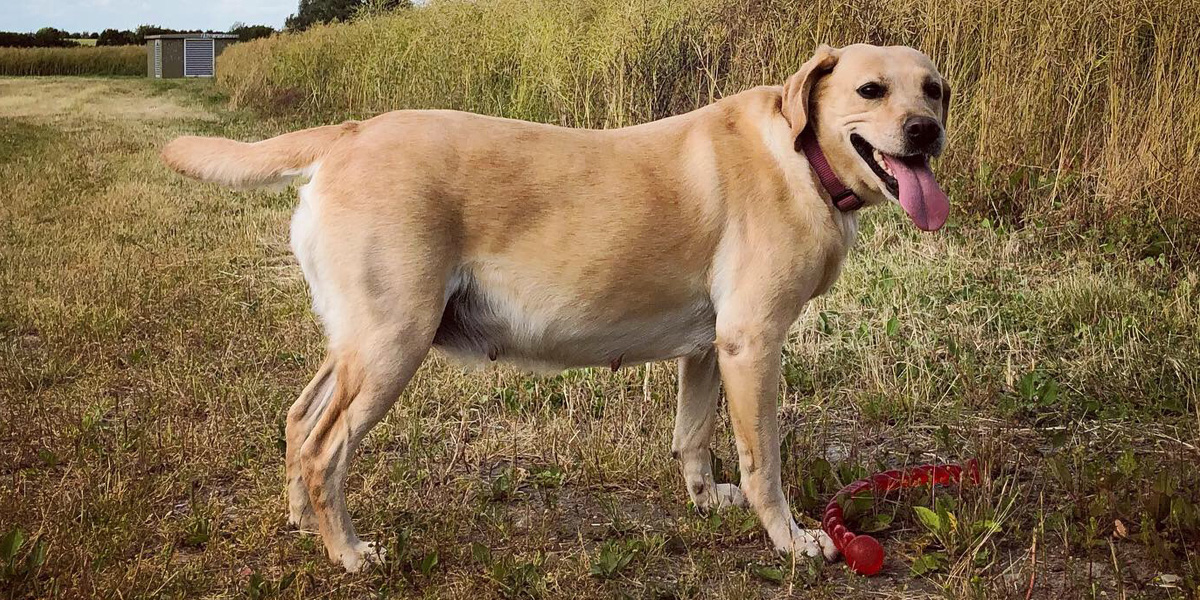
(879, 114)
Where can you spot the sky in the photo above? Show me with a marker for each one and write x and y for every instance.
(97, 15)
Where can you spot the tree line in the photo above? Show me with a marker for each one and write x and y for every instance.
(308, 13)
(50, 37)
(46, 37)
(313, 12)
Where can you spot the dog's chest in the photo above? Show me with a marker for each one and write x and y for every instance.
(834, 254)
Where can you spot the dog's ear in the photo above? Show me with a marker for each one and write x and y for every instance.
(799, 86)
(945, 102)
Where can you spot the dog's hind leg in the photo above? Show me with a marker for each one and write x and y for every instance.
(301, 419)
(368, 378)
(695, 415)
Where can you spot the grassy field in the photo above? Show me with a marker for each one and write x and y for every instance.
(153, 332)
(86, 60)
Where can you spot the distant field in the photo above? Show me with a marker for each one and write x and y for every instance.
(84, 41)
(153, 332)
(102, 60)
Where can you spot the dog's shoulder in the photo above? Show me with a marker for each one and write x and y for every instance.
(753, 104)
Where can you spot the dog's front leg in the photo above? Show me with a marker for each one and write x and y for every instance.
(749, 359)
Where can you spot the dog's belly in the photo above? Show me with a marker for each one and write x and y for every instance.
(481, 324)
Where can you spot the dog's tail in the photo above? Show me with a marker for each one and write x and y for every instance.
(244, 165)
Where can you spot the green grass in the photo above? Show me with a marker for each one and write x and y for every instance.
(153, 332)
(86, 60)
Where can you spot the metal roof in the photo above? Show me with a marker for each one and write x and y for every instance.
(181, 36)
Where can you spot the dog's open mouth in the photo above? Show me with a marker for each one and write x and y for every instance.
(910, 181)
(875, 160)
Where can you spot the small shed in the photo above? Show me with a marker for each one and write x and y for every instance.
(172, 55)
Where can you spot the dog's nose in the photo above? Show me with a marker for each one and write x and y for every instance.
(922, 132)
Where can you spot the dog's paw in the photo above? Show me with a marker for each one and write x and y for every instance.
(721, 495)
(363, 554)
(810, 542)
(729, 494)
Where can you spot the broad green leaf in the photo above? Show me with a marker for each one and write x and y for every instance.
(1049, 392)
(428, 563)
(772, 574)
(37, 556)
(928, 518)
(11, 543)
(1028, 385)
(876, 523)
(857, 505)
(254, 588)
(986, 526)
(482, 554)
(1059, 438)
(286, 581)
(927, 563)
(924, 564)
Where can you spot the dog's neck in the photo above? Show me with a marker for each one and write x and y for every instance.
(843, 202)
(842, 197)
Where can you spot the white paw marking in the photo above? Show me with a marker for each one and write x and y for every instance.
(811, 542)
(730, 495)
(719, 496)
(363, 554)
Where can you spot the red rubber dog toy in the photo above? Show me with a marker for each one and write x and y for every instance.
(864, 553)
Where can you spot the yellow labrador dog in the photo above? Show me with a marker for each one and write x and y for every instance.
(697, 238)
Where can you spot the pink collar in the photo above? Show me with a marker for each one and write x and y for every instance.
(842, 196)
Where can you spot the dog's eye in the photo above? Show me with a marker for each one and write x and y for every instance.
(872, 91)
(933, 90)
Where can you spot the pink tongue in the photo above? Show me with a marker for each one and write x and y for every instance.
(925, 202)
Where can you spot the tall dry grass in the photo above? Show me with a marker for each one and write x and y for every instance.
(1068, 111)
(104, 60)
